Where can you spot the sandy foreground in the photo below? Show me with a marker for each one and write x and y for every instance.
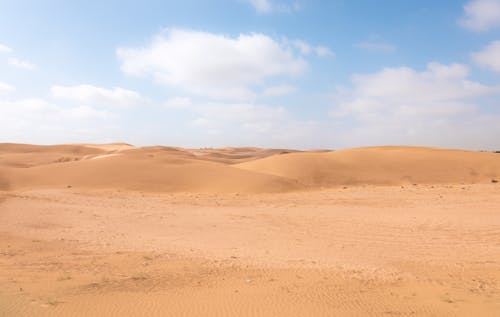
(114, 230)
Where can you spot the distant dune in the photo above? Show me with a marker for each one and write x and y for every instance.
(247, 170)
(382, 165)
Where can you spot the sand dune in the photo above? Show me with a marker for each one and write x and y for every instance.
(26, 155)
(111, 147)
(145, 169)
(250, 170)
(237, 155)
(118, 230)
(382, 165)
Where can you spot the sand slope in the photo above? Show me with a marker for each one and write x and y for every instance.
(382, 165)
(248, 170)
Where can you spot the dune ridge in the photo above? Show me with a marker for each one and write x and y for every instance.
(247, 170)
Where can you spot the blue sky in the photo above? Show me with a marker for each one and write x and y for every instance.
(270, 73)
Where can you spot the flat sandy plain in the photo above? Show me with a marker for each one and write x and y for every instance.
(114, 230)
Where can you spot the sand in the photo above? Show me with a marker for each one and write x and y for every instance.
(115, 230)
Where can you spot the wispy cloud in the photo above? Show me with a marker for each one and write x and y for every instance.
(268, 6)
(6, 88)
(21, 64)
(245, 123)
(93, 95)
(305, 49)
(5, 48)
(262, 6)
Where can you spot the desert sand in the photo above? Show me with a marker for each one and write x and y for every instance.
(118, 230)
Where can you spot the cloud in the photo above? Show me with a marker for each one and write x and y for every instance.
(268, 6)
(305, 49)
(376, 47)
(438, 106)
(242, 119)
(30, 108)
(39, 121)
(279, 90)
(323, 51)
(262, 6)
(481, 15)
(21, 64)
(212, 65)
(6, 88)
(244, 123)
(95, 95)
(5, 48)
(234, 112)
(178, 102)
(489, 57)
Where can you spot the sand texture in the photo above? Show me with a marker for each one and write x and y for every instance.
(118, 230)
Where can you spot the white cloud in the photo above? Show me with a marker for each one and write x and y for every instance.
(302, 46)
(323, 51)
(279, 90)
(248, 121)
(30, 108)
(244, 124)
(376, 47)
(6, 88)
(268, 6)
(262, 6)
(438, 106)
(15, 62)
(39, 121)
(5, 48)
(234, 112)
(212, 65)
(96, 95)
(435, 84)
(481, 15)
(305, 49)
(201, 122)
(489, 57)
(240, 112)
(178, 102)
